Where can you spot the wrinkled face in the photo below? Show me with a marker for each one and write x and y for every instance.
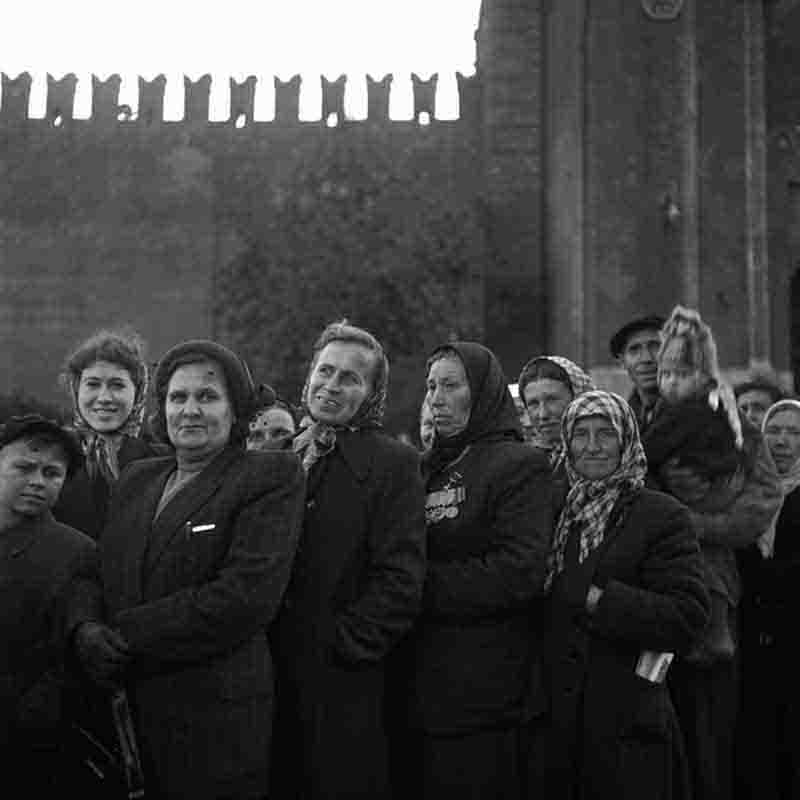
(106, 395)
(782, 435)
(546, 400)
(448, 396)
(270, 429)
(594, 447)
(639, 359)
(676, 380)
(31, 477)
(198, 412)
(754, 405)
(426, 426)
(340, 382)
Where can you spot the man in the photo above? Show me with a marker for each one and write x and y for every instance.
(635, 346)
(705, 692)
(48, 574)
(356, 583)
(755, 396)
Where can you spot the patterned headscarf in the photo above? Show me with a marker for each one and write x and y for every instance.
(316, 439)
(590, 502)
(789, 480)
(579, 382)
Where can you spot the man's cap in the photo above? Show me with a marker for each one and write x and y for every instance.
(29, 425)
(647, 323)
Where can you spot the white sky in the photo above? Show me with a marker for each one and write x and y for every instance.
(239, 38)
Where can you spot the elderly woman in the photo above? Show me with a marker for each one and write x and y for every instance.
(195, 560)
(357, 581)
(626, 590)
(770, 714)
(489, 526)
(106, 376)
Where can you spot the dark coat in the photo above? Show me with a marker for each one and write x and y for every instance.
(49, 576)
(769, 766)
(489, 530)
(194, 606)
(356, 589)
(83, 502)
(609, 732)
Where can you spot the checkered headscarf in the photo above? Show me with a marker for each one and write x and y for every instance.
(589, 503)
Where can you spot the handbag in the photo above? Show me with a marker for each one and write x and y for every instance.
(101, 758)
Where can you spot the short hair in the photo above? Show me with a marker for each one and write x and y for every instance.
(123, 347)
(343, 331)
(759, 384)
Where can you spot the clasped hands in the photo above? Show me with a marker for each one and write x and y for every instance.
(103, 652)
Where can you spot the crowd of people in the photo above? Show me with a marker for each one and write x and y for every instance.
(555, 592)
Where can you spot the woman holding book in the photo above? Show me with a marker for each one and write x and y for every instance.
(626, 591)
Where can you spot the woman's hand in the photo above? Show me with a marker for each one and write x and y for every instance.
(103, 653)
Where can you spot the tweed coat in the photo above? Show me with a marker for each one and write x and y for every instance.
(49, 575)
(355, 591)
(609, 732)
(83, 502)
(193, 594)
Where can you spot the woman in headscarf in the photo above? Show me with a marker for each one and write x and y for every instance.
(106, 377)
(548, 384)
(626, 589)
(489, 526)
(770, 715)
(196, 555)
(356, 585)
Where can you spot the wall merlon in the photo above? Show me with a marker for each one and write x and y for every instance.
(378, 97)
(196, 98)
(333, 96)
(287, 100)
(60, 97)
(424, 94)
(16, 96)
(151, 100)
(243, 98)
(105, 98)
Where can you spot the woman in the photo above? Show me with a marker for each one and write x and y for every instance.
(195, 558)
(357, 581)
(547, 385)
(626, 586)
(489, 525)
(106, 377)
(770, 715)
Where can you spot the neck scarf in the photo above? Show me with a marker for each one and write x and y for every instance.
(579, 382)
(493, 415)
(315, 439)
(101, 449)
(590, 502)
(789, 480)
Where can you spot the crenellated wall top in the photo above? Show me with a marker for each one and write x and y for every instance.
(108, 109)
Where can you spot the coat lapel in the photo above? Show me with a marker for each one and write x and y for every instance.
(178, 512)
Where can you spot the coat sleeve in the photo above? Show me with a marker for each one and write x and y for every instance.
(669, 606)
(750, 512)
(512, 569)
(391, 598)
(242, 596)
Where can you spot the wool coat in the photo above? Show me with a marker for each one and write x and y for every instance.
(49, 578)
(83, 502)
(609, 732)
(489, 530)
(193, 593)
(356, 589)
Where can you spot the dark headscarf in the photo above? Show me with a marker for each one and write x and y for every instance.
(493, 415)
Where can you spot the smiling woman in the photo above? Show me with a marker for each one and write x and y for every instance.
(106, 377)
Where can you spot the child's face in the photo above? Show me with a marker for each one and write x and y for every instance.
(679, 382)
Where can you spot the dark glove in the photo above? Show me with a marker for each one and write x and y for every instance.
(103, 653)
(684, 482)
